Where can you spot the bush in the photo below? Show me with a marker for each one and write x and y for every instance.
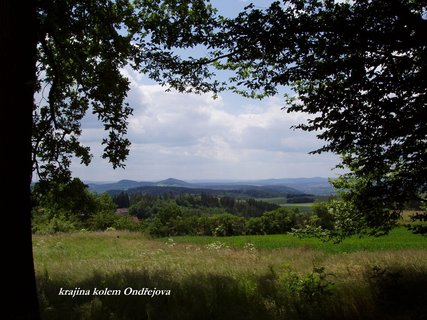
(143, 206)
(296, 296)
(156, 228)
(325, 218)
(102, 220)
(107, 219)
(281, 220)
(127, 223)
(226, 224)
(184, 225)
(45, 223)
(255, 226)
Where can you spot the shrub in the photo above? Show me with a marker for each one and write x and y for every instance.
(184, 225)
(326, 219)
(45, 223)
(126, 223)
(281, 220)
(102, 220)
(255, 226)
(226, 224)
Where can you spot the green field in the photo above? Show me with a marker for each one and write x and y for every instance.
(281, 201)
(245, 277)
(276, 200)
(303, 207)
(398, 239)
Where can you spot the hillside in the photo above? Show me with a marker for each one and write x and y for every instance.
(120, 185)
(248, 188)
(241, 191)
(316, 186)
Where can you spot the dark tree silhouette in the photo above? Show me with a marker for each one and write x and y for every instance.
(82, 47)
(18, 52)
(71, 52)
(359, 70)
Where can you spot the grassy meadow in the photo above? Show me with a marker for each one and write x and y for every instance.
(398, 239)
(247, 277)
(282, 201)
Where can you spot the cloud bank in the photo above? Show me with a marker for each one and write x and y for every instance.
(192, 136)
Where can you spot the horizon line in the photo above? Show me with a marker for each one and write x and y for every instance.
(200, 179)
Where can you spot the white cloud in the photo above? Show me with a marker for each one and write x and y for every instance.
(194, 136)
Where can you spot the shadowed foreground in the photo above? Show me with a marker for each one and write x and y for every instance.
(392, 294)
(216, 281)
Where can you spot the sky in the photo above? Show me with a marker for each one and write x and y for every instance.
(196, 137)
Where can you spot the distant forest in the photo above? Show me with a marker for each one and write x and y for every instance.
(123, 199)
(177, 211)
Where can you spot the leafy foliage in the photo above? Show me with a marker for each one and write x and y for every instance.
(46, 223)
(145, 206)
(358, 68)
(82, 48)
(72, 198)
(70, 207)
(169, 219)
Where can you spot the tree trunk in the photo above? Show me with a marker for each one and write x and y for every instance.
(18, 38)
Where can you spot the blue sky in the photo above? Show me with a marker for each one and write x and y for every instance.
(192, 137)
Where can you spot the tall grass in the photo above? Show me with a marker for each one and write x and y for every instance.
(217, 281)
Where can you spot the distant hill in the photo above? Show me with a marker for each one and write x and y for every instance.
(171, 182)
(120, 185)
(129, 184)
(317, 186)
(255, 188)
(236, 192)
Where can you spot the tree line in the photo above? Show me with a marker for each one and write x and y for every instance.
(141, 204)
(68, 207)
(71, 207)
